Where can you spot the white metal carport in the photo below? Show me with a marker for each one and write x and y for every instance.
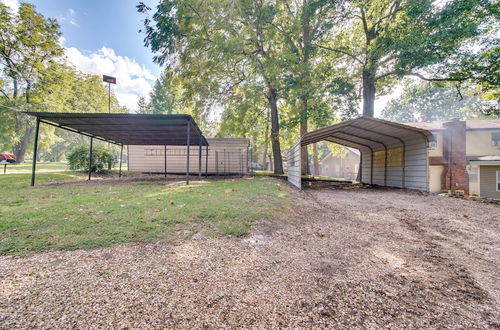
(392, 154)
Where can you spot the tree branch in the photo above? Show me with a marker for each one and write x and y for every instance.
(5, 94)
(382, 76)
(354, 57)
(436, 79)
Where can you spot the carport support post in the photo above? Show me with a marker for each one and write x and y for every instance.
(385, 167)
(188, 144)
(199, 160)
(90, 157)
(121, 156)
(35, 151)
(165, 158)
(206, 161)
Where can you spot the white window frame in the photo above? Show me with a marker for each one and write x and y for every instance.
(497, 180)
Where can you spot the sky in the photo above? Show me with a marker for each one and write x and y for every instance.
(101, 37)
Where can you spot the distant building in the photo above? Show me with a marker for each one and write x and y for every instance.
(340, 166)
(464, 155)
(225, 156)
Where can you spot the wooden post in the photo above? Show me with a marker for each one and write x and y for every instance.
(90, 157)
(35, 152)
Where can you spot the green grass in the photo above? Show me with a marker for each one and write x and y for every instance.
(73, 217)
(42, 167)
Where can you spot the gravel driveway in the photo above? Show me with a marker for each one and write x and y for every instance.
(357, 258)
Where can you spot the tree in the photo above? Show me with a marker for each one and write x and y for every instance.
(36, 78)
(300, 24)
(426, 102)
(230, 37)
(29, 48)
(143, 105)
(162, 97)
(388, 39)
(64, 90)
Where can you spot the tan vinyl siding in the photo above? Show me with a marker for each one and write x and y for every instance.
(488, 181)
(224, 156)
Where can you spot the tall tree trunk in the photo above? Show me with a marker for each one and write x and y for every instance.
(21, 147)
(275, 131)
(368, 92)
(315, 159)
(266, 142)
(304, 159)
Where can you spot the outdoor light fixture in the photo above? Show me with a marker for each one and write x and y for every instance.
(110, 80)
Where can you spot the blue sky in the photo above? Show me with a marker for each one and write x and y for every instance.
(101, 37)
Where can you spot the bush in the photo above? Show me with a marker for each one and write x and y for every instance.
(102, 159)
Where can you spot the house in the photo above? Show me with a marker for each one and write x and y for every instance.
(464, 155)
(340, 166)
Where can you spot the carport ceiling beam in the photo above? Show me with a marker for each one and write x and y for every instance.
(400, 126)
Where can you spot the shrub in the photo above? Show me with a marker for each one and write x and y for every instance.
(102, 159)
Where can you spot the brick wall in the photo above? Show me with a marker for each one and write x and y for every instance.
(455, 176)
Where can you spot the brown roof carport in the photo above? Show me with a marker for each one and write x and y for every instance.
(126, 129)
(392, 154)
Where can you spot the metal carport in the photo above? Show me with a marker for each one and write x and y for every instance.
(126, 129)
(392, 154)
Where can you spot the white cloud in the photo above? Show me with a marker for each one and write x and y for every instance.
(70, 17)
(133, 80)
(12, 4)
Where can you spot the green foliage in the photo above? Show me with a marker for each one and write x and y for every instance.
(430, 102)
(102, 159)
(36, 78)
(162, 96)
(28, 52)
(387, 39)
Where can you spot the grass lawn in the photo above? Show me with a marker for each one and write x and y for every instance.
(42, 167)
(72, 217)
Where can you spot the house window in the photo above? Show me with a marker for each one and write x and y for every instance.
(495, 139)
(498, 180)
(433, 142)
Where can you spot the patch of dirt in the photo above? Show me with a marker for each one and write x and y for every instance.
(358, 258)
(131, 177)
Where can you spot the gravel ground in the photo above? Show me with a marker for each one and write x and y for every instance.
(342, 258)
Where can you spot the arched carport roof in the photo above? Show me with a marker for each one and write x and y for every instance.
(392, 154)
(366, 132)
